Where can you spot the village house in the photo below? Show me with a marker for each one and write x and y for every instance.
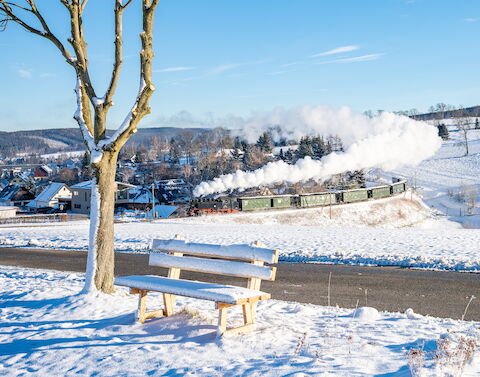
(50, 196)
(42, 172)
(16, 195)
(81, 195)
(135, 198)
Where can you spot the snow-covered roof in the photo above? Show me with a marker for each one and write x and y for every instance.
(46, 195)
(9, 192)
(140, 195)
(83, 185)
(47, 168)
(88, 185)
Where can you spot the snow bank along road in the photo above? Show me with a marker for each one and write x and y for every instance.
(48, 330)
(445, 248)
(441, 294)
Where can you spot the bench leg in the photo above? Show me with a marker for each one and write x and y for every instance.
(142, 305)
(142, 313)
(222, 321)
(248, 319)
(169, 303)
(247, 313)
(253, 308)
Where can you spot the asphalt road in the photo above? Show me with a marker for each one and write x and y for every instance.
(436, 293)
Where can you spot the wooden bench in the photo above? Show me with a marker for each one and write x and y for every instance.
(245, 261)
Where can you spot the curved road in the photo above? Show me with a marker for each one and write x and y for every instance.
(436, 293)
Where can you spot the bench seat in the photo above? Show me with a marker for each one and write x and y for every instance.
(206, 291)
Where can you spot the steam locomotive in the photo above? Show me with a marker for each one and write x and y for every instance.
(228, 204)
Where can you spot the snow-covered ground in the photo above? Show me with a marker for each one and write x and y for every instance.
(47, 329)
(445, 248)
(447, 180)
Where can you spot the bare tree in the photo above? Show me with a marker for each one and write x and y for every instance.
(463, 125)
(91, 114)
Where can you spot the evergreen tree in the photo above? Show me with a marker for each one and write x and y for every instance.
(318, 147)
(304, 148)
(288, 156)
(174, 152)
(477, 125)
(281, 156)
(265, 142)
(443, 131)
(239, 144)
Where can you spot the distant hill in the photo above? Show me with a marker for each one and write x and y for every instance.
(70, 139)
(473, 111)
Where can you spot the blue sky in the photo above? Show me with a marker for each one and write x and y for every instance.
(216, 58)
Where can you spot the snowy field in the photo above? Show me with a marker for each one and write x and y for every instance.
(46, 329)
(443, 177)
(444, 248)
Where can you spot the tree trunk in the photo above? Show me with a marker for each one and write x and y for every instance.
(101, 255)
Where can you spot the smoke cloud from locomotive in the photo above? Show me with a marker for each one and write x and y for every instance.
(387, 141)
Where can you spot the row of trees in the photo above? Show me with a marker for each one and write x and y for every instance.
(197, 157)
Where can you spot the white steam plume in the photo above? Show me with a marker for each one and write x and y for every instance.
(387, 141)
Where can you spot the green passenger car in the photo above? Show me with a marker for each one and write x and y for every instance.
(252, 204)
(281, 201)
(380, 192)
(398, 187)
(317, 199)
(355, 195)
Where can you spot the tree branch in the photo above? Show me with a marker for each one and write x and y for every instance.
(5, 7)
(141, 106)
(119, 8)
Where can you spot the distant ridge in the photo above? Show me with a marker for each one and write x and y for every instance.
(473, 111)
(70, 139)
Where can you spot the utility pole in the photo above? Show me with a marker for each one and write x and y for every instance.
(154, 214)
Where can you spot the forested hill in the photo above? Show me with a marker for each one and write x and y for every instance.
(70, 139)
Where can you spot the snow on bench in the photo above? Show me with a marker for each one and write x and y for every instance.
(246, 252)
(246, 261)
(221, 267)
(195, 289)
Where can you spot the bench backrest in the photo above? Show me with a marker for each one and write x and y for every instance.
(245, 261)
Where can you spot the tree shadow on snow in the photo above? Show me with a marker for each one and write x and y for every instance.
(122, 330)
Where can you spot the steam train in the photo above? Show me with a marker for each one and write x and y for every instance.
(228, 204)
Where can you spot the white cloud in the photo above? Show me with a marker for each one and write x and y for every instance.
(362, 58)
(292, 64)
(337, 50)
(223, 68)
(25, 73)
(174, 69)
(228, 67)
(281, 72)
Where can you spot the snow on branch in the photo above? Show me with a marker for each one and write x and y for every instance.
(108, 142)
(78, 116)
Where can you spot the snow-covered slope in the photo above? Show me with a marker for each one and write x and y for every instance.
(46, 329)
(404, 210)
(448, 179)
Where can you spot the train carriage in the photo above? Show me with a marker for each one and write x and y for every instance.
(399, 187)
(381, 192)
(351, 196)
(320, 199)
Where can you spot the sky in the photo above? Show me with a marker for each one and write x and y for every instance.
(216, 59)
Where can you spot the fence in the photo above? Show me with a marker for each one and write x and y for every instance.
(53, 218)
